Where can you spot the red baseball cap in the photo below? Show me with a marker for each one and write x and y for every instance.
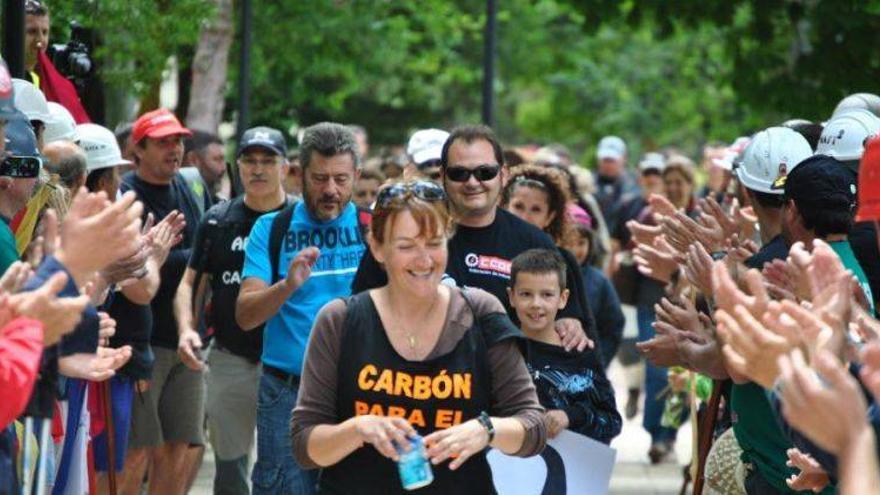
(157, 125)
(869, 182)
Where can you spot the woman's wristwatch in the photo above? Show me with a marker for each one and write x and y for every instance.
(484, 420)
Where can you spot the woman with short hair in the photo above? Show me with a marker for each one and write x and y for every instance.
(414, 357)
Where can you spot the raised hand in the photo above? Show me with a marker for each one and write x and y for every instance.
(654, 263)
(832, 411)
(300, 268)
(870, 372)
(811, 476)
(739, 249)
(785, 280)
(96, 233)
(750, 348)
(15, 277)
(698, 269)
(728, 295)
(162, 237)
(128, 268)
(727, 222)
(661, 206)
(59, 315)
(642, 233)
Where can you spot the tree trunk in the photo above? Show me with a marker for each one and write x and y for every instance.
(209, 68)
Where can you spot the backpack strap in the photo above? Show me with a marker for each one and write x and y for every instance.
(214, 227)
(280, 226)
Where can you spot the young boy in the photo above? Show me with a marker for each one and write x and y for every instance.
(571, 385)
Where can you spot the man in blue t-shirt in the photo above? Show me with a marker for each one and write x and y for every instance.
(318, 258)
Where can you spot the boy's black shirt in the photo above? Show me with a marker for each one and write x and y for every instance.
(575, 382)
(480, 257)
(218, 251)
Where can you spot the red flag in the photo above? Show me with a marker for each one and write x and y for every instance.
(59, 89)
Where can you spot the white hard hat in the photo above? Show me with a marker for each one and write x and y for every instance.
(769, 157)
(100, 147)
(31, 101)
(426, 145)
(843, 137)
(62, 127)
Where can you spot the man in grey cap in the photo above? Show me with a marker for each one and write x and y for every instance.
(612, 179)
(217, 258)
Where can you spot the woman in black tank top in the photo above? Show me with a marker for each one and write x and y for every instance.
(403, 367)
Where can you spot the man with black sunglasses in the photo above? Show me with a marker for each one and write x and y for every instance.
(487, 237)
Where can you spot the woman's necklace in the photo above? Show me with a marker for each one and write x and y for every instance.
(412, 338)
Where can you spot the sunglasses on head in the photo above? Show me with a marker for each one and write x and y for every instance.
(482, 173)
(421, 189)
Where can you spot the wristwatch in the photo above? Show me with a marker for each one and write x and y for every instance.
(484, 420)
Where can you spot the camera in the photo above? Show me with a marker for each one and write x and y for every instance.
(72, 59)
(20, 167)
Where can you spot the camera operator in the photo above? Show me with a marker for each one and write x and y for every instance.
(73, 58)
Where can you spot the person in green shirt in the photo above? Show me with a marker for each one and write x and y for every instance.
(18, 175)
(820, 200)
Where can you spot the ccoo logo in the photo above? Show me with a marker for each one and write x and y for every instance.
(471, 260)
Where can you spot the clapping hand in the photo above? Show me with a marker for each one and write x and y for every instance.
(728, 295)
(163, 236)
(96, 233)
(642, 233)
(811, 476)
(751, 349)
(15, 277)
(59, 315)
(655, 263)
(830, 411)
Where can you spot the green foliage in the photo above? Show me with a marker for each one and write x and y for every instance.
(796, 57)
(138, 36)
(656, 72)
(396, 66)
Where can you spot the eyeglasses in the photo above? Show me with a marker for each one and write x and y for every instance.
(424, 190)
(482, 173)
(253, 162)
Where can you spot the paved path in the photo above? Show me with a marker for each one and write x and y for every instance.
(633, 475)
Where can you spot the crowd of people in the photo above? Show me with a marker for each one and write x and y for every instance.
(345, 308)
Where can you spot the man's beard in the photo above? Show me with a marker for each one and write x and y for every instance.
(314, 205)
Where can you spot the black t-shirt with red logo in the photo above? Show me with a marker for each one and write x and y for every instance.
(480, 257)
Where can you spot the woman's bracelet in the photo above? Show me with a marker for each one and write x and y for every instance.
(484, 420)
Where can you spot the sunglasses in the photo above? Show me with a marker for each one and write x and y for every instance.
(424, 190)
(21, 167)
(482, 173)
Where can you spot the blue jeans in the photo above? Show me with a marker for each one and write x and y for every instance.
(276, 473)
(655, 381)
